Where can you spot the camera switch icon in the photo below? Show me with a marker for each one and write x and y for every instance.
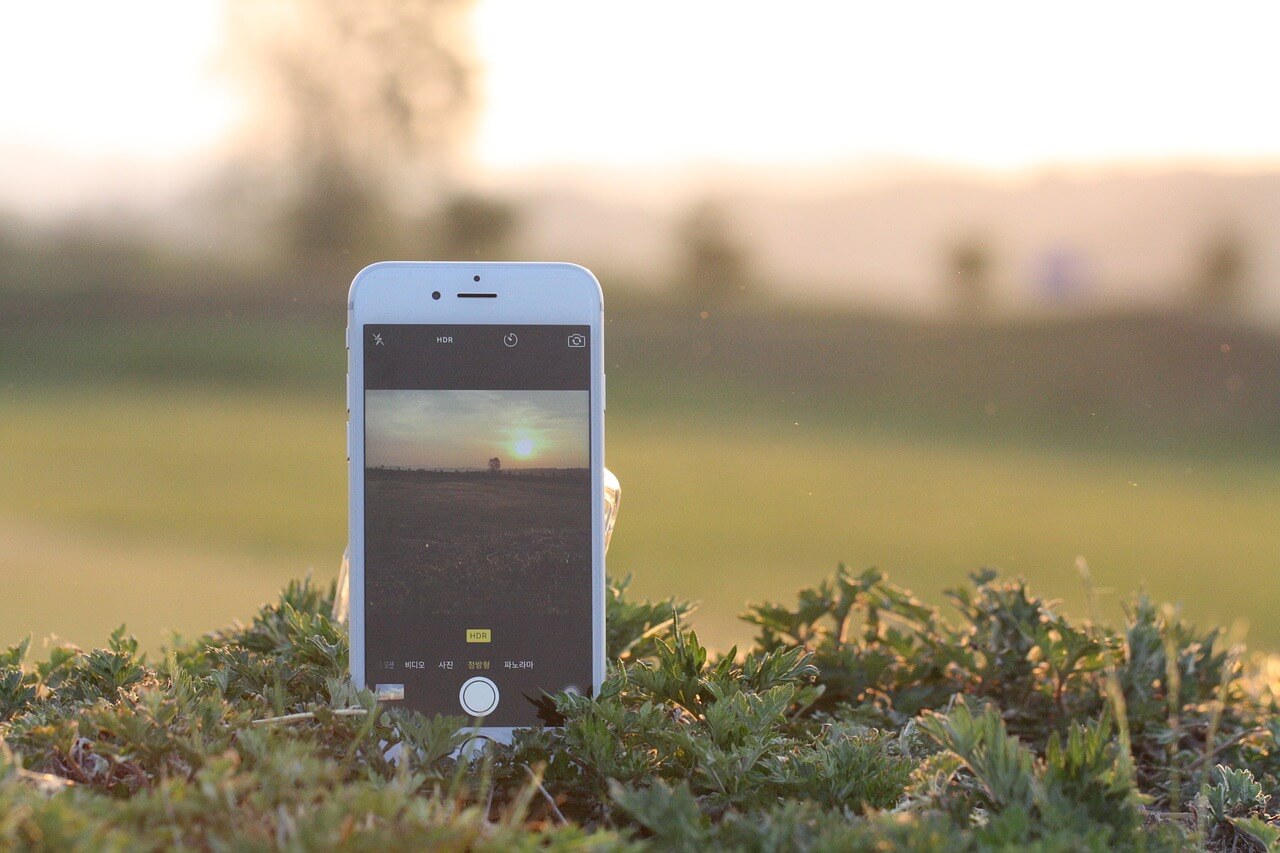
(577, 340)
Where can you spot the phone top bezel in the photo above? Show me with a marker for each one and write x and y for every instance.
(526, 293)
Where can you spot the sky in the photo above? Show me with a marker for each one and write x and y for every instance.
(1003, 85)
(465, 429)
(130, 97)
(109, 99)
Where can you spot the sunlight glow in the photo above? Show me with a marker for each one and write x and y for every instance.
(991, 85)
(523, 448)
(138, 78)
(578, 83)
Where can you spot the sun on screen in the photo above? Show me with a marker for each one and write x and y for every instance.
(523, 448)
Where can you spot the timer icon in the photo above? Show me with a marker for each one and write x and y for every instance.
(510, 339)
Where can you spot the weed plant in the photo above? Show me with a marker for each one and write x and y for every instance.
(860, 719)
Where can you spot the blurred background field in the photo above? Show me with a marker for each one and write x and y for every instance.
(928, 347)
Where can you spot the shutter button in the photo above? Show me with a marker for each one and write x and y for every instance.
(478, 696)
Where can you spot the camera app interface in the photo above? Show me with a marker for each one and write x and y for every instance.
(477, 551)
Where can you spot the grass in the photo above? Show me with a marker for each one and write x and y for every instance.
(773, 503)
(252, 471)
(209, 499)
(166, 508)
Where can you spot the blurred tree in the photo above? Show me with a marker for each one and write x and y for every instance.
(1220, 280)
(472, 226)
(353, 97)
(715, 266)
(968, 276)
(495, 465)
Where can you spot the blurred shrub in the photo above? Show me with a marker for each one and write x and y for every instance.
(1219, 284)
(715, 265)
(968, 269)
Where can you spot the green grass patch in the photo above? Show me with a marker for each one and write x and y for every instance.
(220, 494)
(710, 506)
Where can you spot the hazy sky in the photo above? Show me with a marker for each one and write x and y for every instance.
(464, 429)
(127, 95)
(996, 85)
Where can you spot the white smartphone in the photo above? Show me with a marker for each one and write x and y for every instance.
(475, 441)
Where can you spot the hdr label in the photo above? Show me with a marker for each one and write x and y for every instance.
(479, 635)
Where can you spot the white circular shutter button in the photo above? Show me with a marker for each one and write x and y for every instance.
(478, 696)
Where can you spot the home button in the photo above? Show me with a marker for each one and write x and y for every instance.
(478, 696)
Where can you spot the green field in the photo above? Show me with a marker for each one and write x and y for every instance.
(168, 507)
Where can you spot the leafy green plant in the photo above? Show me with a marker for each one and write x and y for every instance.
(860, 719)
(1234, 810)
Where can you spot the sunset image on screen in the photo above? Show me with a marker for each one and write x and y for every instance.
(482, 501)
(467, 430)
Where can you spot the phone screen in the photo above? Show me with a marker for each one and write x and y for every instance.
(478, 517)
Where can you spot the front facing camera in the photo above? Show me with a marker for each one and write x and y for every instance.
(476, 278)
(435, 295)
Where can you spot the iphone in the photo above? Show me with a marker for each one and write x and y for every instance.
(475, 442)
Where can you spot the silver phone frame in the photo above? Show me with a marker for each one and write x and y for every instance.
(527, 293)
